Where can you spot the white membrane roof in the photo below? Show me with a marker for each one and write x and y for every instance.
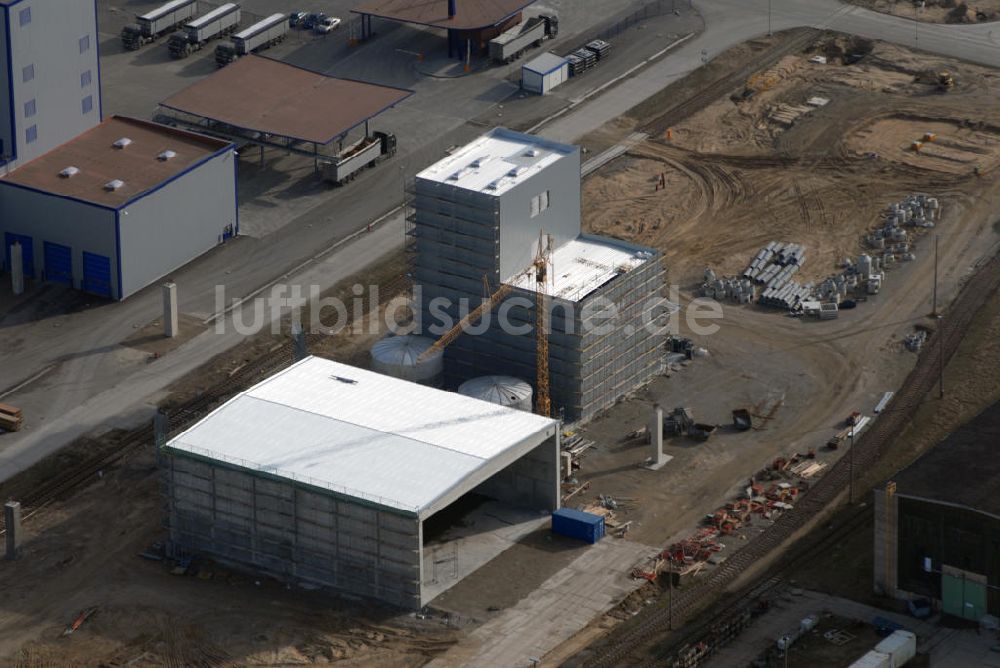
(496, 162)
(362, 434)
(582, 265)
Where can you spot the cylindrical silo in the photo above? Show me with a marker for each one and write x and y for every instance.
(396, 356)
(503, 390)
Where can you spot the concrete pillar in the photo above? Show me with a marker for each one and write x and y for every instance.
(16, 268)
(170, 310)
(658, 459)
(12, 523)
(886, 555)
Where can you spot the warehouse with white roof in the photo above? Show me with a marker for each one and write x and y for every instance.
(479, 213)
(326, 473)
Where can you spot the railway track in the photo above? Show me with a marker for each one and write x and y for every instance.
(65, 482)
(653, 621)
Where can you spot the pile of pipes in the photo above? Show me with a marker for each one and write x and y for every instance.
(914, 210)
(739, 290)
(773, 267)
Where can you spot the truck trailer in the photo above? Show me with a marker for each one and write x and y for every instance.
(152, 25)
(510, 45)
(369, 150)
(256, 38)
(195, 34)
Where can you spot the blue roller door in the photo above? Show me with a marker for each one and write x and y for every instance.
(27, 252)
(96, 274)
(58, 263)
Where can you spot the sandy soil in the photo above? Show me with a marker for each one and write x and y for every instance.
(720, 205)
(732, 167)
(937, 11)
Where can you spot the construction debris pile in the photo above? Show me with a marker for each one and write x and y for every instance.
(771, 491)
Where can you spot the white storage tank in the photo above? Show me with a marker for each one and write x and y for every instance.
(901, 646)
(397, 356)
(503, 390)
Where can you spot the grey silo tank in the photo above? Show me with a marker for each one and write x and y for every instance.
(503, 390)
(397, 356)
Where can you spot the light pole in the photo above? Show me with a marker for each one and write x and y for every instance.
(851, 463)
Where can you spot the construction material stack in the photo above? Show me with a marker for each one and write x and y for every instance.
(599, 48)
(156, 23)
(11, 418)
(195, 34)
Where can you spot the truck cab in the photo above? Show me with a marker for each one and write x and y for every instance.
(225, 54)
(180, 45)
(133, 37)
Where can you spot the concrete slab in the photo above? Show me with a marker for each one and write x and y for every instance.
(564, 604)
(483, 534)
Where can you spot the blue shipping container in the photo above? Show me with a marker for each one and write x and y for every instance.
(577, 524)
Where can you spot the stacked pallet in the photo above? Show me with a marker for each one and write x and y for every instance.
(599, 47)
(11, 418)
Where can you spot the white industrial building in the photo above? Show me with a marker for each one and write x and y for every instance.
(120, 206)
(542, 74)
(49, 75)
(326, 473)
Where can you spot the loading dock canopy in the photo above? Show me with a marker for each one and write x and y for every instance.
(469, 14)
(366, 436)
(264, 95)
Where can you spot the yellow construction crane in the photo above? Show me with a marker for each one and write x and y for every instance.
(542, 268)
(472, 317)
(543, 259)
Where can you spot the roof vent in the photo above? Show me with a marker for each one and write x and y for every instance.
(122, 143)
(69, 171)
(516, 172)
(531, 153)
(113, 185)
(479, 162)
(166, 155)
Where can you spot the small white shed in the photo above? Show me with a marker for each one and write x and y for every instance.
(542, 74)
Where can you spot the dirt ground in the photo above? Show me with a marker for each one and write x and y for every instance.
(733, 167)
(725, 198)
(937, 11)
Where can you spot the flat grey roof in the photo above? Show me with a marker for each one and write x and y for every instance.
(545, 63)
(963, 469)
(284, 100)
(99, 161)
(470, 14)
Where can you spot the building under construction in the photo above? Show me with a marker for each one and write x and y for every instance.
(501, 216)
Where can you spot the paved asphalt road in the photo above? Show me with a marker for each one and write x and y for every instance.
(123, 391)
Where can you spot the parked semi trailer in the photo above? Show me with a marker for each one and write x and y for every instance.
(151, 25)
(195, 34)
(256, 38)
(346, 165)
(510, 45)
